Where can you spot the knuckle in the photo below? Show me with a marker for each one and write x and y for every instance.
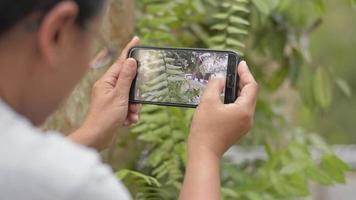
(121, 97)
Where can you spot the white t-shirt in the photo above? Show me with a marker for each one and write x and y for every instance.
(37, 166)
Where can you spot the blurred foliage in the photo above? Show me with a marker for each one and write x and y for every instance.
(334, 45)
(274, 37)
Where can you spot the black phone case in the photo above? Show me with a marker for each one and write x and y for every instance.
(230, 93)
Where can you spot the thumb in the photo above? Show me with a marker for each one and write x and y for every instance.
(212, 92)
(126, 76)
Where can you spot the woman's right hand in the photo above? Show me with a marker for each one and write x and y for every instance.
(217, 126)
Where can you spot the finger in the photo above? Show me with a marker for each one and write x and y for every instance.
(134, 42)
(127, 123)
(114, 70)
(248, 84)
(131, 119)
(135, 108)
(126, 76)
(134, 118)
(213, 90)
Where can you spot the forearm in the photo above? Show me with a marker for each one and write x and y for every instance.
(90, 135)
(80, 136)
(202, 177)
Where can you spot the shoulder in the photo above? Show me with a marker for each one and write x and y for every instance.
(89, 177)
(47, 166)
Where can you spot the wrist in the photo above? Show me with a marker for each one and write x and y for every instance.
(84, 136)
(89, 135)
(201, 151)
(204, 146)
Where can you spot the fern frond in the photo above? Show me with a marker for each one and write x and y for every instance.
(142, 186)
(166, 129)
(230, 25)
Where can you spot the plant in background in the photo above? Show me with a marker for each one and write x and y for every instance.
(273, 34)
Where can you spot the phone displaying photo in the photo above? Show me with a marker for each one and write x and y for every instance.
(178, 76)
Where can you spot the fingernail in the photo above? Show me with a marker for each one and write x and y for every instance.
(217, 76)
(135, 38)
(132, 62)
(244, 64)
(220, 75)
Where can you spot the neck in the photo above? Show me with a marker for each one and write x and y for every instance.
(13, 71)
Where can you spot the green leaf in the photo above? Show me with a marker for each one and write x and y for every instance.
(239, 20)
(254, 196)
(163, 20)
(294, 167)
(218, 38)
(298, 185)
(318, 142)
(221, 16)
(139, 128)
(125, 173)
(265, 6)
(240, 9)
(262, 6)
(334, 167)
(306, 87)
(298, 151)
(218, 47)
(227, 192)
(337, 162)
(156, 8)
(320, 5)
(278, 78)
(149, 137)
(277, 183)
(318, 175)
(344, 87)
(219, 27)
(234, 30)
(322, 88)
(234, 42)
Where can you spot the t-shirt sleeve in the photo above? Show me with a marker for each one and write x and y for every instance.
(85, 176)
(37, 166)
(101, 185)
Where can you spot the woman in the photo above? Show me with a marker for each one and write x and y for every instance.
(44, 51)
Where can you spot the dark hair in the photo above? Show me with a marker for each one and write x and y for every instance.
(13, 11)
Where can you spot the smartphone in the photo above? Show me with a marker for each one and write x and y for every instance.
(178, 76)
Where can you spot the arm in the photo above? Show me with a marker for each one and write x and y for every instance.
(215, 128)
(202, 177)
(109, 107)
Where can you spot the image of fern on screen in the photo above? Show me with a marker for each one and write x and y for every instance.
(176, 76)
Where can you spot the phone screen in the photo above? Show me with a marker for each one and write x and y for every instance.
(176, 76)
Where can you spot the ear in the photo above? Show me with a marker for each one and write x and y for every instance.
(58, 22)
